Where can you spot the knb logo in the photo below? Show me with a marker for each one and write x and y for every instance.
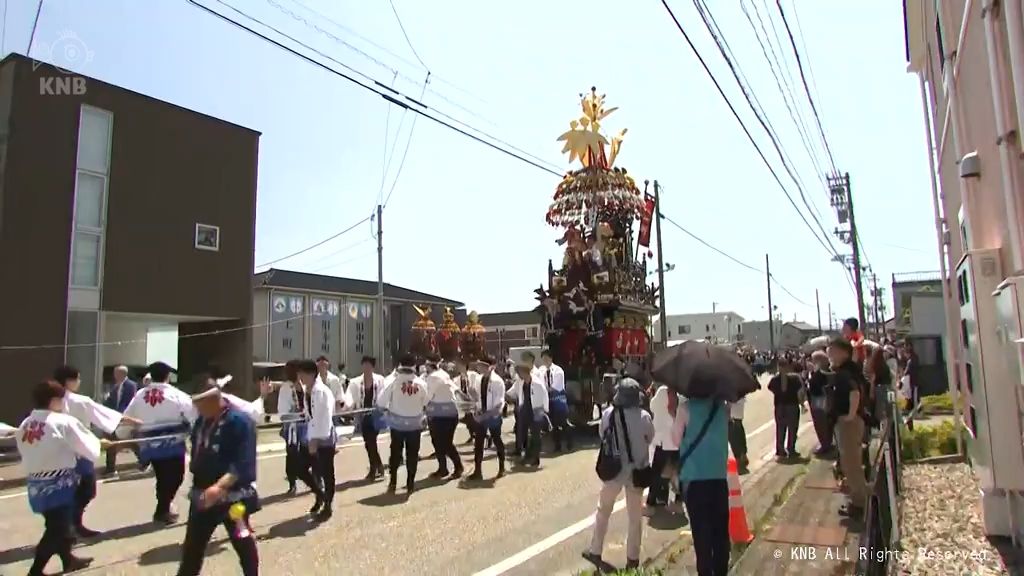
(66, 52)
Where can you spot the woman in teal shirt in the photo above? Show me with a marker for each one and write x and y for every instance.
(703, 474)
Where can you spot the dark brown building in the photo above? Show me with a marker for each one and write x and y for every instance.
(511, 330)
(124, 221)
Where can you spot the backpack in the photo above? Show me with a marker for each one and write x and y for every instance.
(609, 465)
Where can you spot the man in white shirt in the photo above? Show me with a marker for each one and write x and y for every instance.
(490, 394)
(335, 383)
(405, 400)
(443, 419)
(167, 414)
(554, 380)
(93, 415)
(322, 436)
(362, 394)
(532, 398)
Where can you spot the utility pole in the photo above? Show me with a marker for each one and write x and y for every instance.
(879, 330)
(662, 322)
(842, 201)
(817, 304)
(771, 315)
(831, 325)
(714, 307)
(379, 332)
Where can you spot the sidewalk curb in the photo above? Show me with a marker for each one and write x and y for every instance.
(759, 491)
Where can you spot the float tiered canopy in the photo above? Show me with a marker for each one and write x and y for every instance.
(598, 187)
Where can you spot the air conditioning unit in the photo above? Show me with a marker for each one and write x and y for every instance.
(990, 391)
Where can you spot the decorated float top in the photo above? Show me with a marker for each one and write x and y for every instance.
(597, 186)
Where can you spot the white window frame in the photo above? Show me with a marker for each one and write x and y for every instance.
(199, 246)
(76, 229)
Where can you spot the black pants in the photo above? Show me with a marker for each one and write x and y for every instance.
(84, 494)
(298, 465)
(657, 495)
(409, 442)
(823, 428)
(787, 420)
(528, 433)
(323, 472)
(478, 446)
(442, 436)
(520, 435)
(370, 434)
(560, 430)
(57, 538)
(170, 473)
(707, 501)
(201, 524)
(738, 439)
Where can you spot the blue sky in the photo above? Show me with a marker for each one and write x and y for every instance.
(467, 222)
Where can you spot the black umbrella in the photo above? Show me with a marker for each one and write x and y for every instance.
(698, 369)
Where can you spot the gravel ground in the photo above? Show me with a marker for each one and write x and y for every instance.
(942, 527)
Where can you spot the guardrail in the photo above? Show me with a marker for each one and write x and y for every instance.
(881, 536)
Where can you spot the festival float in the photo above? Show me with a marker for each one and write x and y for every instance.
(424, 332)
(448, 336)
(473, 338)
(597, 304)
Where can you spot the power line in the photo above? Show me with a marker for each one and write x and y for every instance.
(785, 92)
(406, 102)
(743, 125)
(807, 88)
(730, 257)
(317, 245)
(758, 110)
(413, 105)
(406, 35)
(394, 70)
(35, 26)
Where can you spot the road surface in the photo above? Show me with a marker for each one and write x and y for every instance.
(530, 522)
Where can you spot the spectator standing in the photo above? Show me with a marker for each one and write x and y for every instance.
(118, 398)
(634, 430)
(818, 391)
(788, 391)
(704, 457)
(847, 412)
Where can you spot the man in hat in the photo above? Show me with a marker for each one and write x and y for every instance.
(223, 491)
(490, 400)
(166, 414)
(405, 400)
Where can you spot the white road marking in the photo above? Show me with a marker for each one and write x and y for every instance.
(545, 544)
(564, 534)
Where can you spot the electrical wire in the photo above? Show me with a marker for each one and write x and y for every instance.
(318, 244)
(406, 35)
(413, 105)
(35, 26)
(807, 88)
(733, 258)
(405, 152)
(298, 17)
(755, 106)
(785, 92)
(745, 129)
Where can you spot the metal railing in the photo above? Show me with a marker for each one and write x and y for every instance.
(881, 536)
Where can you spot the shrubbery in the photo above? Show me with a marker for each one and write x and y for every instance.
(929, 441)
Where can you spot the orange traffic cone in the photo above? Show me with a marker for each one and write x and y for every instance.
(738, 531)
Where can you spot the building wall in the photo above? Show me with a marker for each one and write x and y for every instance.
(756, 334)
(927, 313)
(719, 326)
(168, 168)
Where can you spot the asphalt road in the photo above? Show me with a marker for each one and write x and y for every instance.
(530, 522)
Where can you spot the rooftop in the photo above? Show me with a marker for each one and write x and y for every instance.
(275, 278)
